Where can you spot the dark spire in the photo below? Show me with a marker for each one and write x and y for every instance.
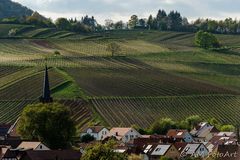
(46, 95)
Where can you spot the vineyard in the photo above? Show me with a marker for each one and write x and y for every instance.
(154, 75)
(136, 82)
(30, 87)
(144, 111)
(81, 113)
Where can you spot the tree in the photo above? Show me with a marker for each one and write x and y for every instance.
(48, 123)
(227, 128)
(150, 22)
(63, 24)
(174, 21)
(114, 48)
(103, 152)
(193, 121)
(87, 138)
(134, 157)
(161, 20)
(162, 126)
(109, 24)
(133, 21)
(119, 25)
(165, 158)
(206, 40)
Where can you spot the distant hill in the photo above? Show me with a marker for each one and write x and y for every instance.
(9, 8)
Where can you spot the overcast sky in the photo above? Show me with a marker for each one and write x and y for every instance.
(123, 9)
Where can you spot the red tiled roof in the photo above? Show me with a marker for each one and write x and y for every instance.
(176, 133)
(95, 129)
(53, 154)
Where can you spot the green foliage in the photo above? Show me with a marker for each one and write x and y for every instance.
(162, 126)
(57, 53)
(103, 152)
(193, 121)
(87, 138)
(114, 48)
(134, 157)
(48, 123)
(133, 21)
(215, 122)
(206, 40)
(227, 128)
(165, 158)
(63, 24)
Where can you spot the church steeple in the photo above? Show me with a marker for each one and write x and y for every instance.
(46, 95)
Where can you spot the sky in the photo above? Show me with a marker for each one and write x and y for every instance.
(123, 9)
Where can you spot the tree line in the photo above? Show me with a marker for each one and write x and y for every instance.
(162, 21)
(86, 24)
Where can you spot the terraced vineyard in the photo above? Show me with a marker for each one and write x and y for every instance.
(30, 87)
(136, 82)
(80, 111)
(143, 111)
(156, 74)
(11, 110)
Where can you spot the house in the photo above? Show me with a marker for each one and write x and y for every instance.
(124, 134)
(180, 134)
(98, 132)
(204, 132)
(32, 146)
(226, 134)
(180, 146)
(51, 155)
(42, 155)
(195, 150)
(227, 152)
(10, 155)
(156, 151)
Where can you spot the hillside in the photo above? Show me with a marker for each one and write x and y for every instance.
(9, 8)
(162, 74)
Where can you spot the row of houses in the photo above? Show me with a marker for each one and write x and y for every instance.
(203, 141)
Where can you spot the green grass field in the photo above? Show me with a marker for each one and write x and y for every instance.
(156, 74)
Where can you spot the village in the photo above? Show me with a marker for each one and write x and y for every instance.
(204, 141)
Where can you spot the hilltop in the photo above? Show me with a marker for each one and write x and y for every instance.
(9, 8)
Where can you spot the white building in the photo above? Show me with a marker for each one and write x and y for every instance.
(32, 146)
(124, 134)
(98, 132)
(195, 150)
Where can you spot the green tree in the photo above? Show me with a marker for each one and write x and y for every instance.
(114, 48)
(63, 24)
(165, 158)
(174, 21)
(48, 123)
(87, 138)
(193, 121)
(162, 20)
(103, 152)
(150, 22)
(134, 157)
(162, 126)
(133, 21)
(206, 40)
(227, 128)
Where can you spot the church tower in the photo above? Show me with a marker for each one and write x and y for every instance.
(46, 95)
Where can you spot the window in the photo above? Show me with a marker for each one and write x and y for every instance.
(41, 147)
